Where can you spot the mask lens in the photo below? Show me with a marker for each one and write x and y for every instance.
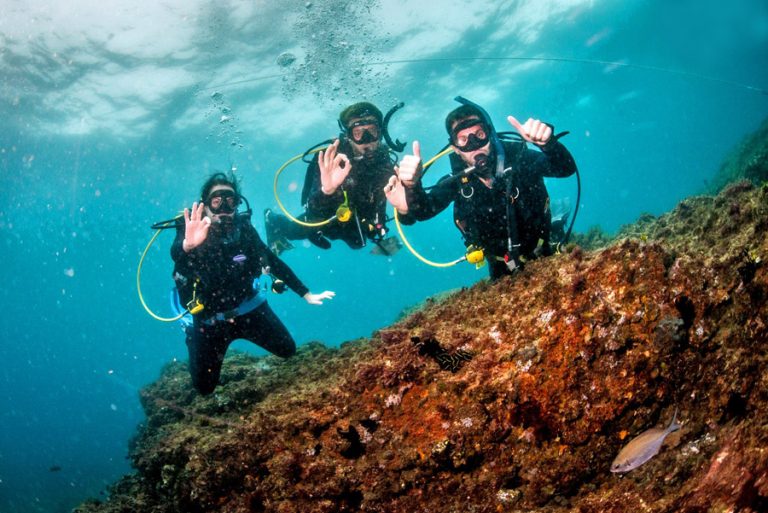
(223, 201)
(364, 132)
(471, 138)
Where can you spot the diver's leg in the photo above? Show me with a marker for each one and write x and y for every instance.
(352, 238)
(292, 230)
(275, 225)
(281, 230)
(354, 244)
(350, 232)
(207, 346)
(497, 269)
(262, 327)
(546, 230)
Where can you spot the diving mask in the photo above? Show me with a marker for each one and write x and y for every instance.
(224, 201)
(364, 131)
(470, 135)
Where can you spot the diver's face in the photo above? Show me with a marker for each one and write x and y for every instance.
(221, 203)
(364, 135)
(471, 142)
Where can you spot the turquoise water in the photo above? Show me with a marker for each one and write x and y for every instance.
(112, 117)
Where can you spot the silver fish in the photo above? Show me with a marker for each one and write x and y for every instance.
(643, 447)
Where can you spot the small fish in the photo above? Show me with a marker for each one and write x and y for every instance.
(387, 247)
(54, 468)
(643, 447)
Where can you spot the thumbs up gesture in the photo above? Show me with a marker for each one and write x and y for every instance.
(410, 169)
(534, 131)
(408, 174)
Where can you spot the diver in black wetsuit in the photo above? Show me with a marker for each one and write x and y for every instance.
(217, 256)
(352, 171)
(501, 206)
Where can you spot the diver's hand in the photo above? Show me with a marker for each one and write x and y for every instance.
(196, 227)
(395, 193)
(317, 299)
(334, 168)
(534, 131)
(410, 169)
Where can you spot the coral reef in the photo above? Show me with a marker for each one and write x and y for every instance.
(748, 161)
(594, 238)
(536, 383)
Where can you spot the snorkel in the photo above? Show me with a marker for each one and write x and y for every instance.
(397, 145)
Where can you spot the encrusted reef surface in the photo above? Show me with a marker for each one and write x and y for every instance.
(513, 396)
(749, 160)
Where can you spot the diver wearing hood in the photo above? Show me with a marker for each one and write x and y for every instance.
(500, 202)
(351, 172)
(217, 255)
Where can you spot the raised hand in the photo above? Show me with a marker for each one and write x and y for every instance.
(334, 168)
(410, 169)
(395, 193)
(196, 227)
(317, 299)
(534, 131)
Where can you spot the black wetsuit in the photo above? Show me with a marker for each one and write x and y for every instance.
(224, 269)
(480, 212)
(364, 186)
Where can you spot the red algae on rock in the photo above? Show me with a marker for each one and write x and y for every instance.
(569, 360)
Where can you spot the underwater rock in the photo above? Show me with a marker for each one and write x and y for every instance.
(748, 161)
(561, 377)
(285, 59)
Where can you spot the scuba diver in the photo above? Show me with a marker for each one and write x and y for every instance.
(500, 202)
(217, 255)
(345, 185)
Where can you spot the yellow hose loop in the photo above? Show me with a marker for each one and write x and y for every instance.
(400, 228)
(434, 159)
(277, 196)
(138, 285)
(416, 253)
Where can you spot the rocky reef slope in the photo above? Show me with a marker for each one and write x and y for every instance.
(748, 161)
(513, 396)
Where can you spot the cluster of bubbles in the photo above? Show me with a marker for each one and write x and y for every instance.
(225, 130)
(342, 38)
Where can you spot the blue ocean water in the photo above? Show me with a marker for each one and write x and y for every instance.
(115, 112)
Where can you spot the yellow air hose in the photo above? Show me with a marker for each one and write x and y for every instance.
(416, 253)
(475, 259)
(473, 256)
(277, 196)
(138, 285)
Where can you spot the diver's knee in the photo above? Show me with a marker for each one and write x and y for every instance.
(286, 351)
(205, 388)
(204, 385)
